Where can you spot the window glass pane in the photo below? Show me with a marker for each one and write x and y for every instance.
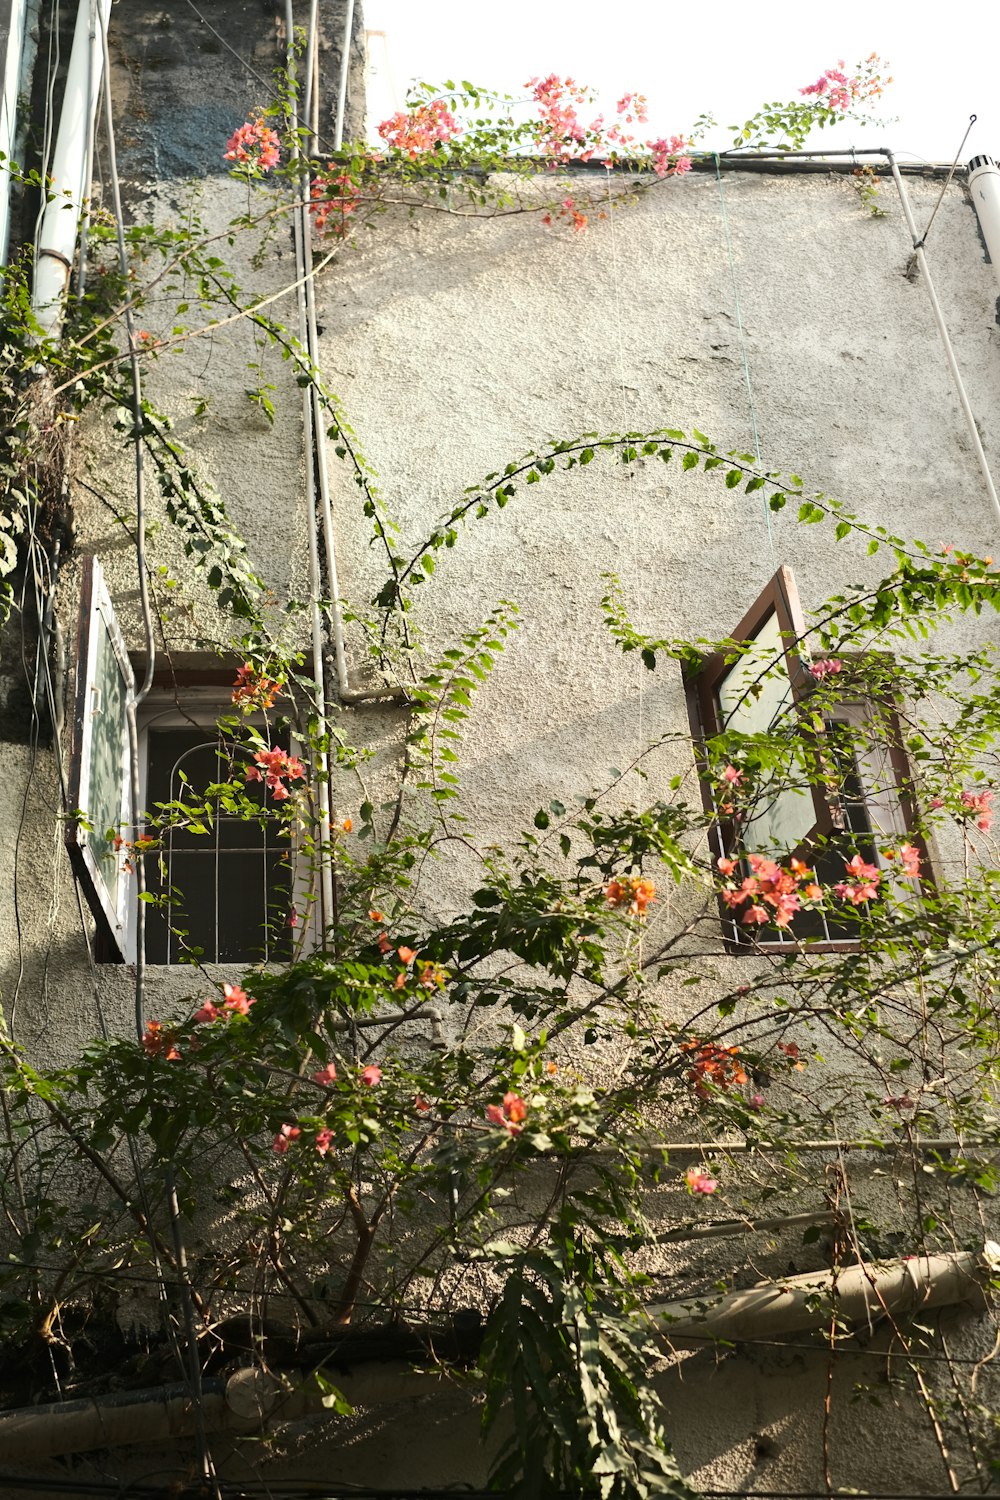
(230, 889)
(755, 697)
(108, 758)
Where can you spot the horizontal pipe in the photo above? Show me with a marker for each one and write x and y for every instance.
(714, 1148)
(253, 1399)
(727, 1227)
(244, 1405)
(860, 1294)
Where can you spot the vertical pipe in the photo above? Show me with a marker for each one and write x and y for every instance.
(984, 185)
(303, 269)
(8, 114)
(918, 251)
(345, 65)
(58, 229)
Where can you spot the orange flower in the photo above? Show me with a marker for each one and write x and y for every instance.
(375, 916)
(407, 955)
(347, 825)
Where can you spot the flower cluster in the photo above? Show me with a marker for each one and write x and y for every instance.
(862, 881)
(419, 129)
(272, 767)
(236, 1003)
(978, 805)
(773, 892)
(159, 1043)
(669, 155)
(791, 1051)
(909, 859)
(510, 1114)
(827, 666)
(332, 201)
(635, 894)
(699, 1183)
(254, 146)
(141, 845)
(713, 1066)
(839, 90)
(323, 1139)
(252, 689)
(568, 210)
(562, 130)
(562, 135)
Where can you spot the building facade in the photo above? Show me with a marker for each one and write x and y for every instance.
(759, 303)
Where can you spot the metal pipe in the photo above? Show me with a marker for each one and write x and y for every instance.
(58, 229)
(861, 1294)
(921, 258)
(710, 1148)
(345, 64)
(326, 902)
(88, 179)
(8, 114)
(254, 1399)
(345, 692)
(984, 186)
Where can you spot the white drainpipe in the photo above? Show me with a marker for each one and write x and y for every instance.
(859, 1294)
(58, 230)
(252, 1399)
(984, 185)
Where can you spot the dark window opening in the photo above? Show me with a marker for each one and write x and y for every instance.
(225, 895)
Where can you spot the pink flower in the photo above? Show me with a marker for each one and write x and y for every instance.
(862, 884)
(937, 802)
(284, 1138)
(237, 999)
(909, 859)
(756, 1101)
(421, 1104)
(755, 915)
(733, 776)
(208, 1012)
(255, 146)
(899, 1101)
(510, 1114)
(827, 666)
(419, 130)
(699, 1182)
(323, 1140)
(326, 1075)
(726, 866)
(271, 766)
(979, 802)
(371, 1075)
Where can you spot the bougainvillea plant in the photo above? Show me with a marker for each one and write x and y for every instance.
(507, 1107)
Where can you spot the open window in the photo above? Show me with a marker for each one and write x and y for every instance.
(836, 781)
(99, 770)
(224, 891)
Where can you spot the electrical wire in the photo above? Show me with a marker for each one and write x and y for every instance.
(132, 704)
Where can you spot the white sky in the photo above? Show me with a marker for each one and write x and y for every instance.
(726, 59)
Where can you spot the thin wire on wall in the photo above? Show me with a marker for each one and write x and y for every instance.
(633, 502)
(744, 353)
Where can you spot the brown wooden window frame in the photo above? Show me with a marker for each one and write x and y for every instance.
(780, 599)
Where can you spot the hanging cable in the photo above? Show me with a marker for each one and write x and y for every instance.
(947, 183)
(743, 352)
(132, 703)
